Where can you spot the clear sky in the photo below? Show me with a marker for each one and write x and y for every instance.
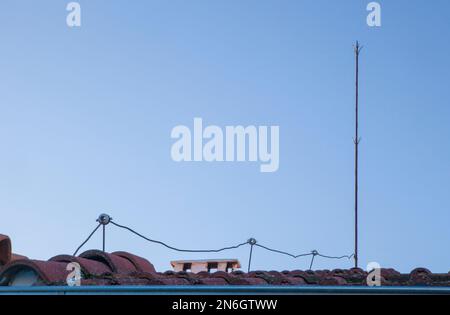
(86, 115)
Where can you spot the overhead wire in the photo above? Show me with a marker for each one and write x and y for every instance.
(252, 242)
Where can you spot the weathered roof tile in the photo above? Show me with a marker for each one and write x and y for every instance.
(123, 268)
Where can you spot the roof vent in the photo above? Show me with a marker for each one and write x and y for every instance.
(208, 265)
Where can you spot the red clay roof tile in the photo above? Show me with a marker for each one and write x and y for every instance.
(122, 268)
(88, 266)
(5, 249)
(49, 272)
(116, 263)
(141, 264)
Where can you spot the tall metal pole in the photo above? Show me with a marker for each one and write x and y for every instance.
(356, 141)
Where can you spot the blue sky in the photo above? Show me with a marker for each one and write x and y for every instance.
(86, 116)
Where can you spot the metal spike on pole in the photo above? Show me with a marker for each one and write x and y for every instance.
(357, 50)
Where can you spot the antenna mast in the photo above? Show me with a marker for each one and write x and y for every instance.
(356, 140)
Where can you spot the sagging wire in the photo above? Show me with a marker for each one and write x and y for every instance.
(178, 249)
(283, 253)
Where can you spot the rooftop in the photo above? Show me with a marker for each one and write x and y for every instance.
(121, 268)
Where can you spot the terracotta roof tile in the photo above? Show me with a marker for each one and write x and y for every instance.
(98, 272)
(49, 272)
(5, 249)
(332, 280)
(88, 266)
(141, 264)
(116, 263)
(6, 254)
(122, 268)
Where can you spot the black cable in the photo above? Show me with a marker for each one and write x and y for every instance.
(314, 253)
(177, 249)
(281, 252)
(90, 235)
(336, 257)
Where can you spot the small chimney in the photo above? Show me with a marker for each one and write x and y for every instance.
(208, 265)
